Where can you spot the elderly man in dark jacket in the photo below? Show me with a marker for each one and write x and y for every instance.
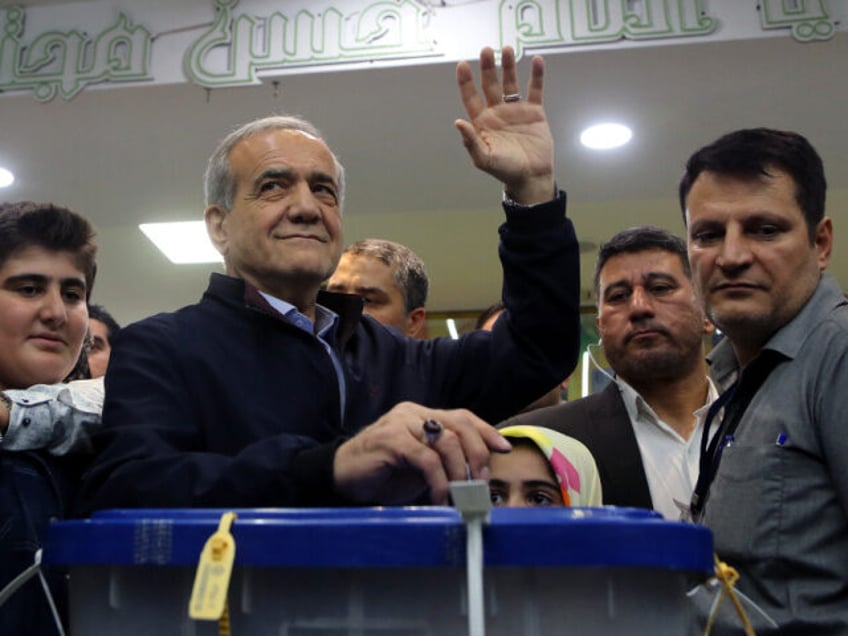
(269, 393)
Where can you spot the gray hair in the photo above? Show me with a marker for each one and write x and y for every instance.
(219, 183)
(407, 267)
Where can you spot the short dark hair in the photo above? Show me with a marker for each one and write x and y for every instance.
(750, 153)
(26, 224)
(408, 269)
(98, 312)
(488, 312)
(639, 239)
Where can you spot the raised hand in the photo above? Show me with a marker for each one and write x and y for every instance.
(508, 136)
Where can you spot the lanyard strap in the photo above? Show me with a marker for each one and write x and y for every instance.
(734, 401)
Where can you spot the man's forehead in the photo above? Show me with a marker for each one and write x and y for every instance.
(37, 261)
(714, 189)
(362, 258)
(282, 140)
(281, 149)
(366, 264)
(641, 267)
(650, 260)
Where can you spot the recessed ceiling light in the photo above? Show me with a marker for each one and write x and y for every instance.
(605, 136)
(6, 178)
(182, 242)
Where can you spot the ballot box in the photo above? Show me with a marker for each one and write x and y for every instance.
(385, 571)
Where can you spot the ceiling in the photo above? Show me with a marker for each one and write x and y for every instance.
(136, 154)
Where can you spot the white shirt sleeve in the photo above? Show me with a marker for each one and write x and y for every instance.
(59, 418)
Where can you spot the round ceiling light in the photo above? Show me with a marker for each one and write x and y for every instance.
(605, 136)
(6, 178)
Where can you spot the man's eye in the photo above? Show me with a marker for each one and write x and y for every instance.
(705, 236)
(766, 231)
(326, 192)
(269, 186)
(497, 497)
(72, 295)
(661, 289)
(377, 301)
(28, 290)
(616, 297)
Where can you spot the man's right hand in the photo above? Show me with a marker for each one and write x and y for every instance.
(391, 462)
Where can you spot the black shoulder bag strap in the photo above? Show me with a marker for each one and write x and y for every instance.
(735, 401)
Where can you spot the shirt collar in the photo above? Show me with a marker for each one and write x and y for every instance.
(637, 407)
(789, 339)
(325, 320)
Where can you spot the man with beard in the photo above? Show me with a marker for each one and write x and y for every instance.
(644, 428)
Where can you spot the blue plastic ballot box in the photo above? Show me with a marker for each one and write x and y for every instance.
(385, 571)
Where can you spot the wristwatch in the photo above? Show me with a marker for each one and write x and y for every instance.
(509, 200)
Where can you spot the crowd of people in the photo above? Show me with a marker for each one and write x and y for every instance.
(305, 377)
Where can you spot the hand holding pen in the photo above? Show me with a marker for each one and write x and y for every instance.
(412, 450)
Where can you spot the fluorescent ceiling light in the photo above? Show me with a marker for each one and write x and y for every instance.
(605, 136)
(6, 178)
(451, 323)
(182, 242)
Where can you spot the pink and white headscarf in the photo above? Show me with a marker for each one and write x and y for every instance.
(570, 460)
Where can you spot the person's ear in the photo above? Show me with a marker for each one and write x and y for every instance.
(416, 323)
(216, 227)
(824, 242)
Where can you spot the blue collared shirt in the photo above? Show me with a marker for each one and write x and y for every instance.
(325, 328)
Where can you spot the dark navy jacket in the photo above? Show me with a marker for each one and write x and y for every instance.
(225, 403)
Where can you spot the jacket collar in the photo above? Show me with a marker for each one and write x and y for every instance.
(347, 306)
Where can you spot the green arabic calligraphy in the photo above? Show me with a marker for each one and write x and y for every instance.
(236, 47)
(808, 19)
(551, 22)
(67, 62)
(240, 46)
